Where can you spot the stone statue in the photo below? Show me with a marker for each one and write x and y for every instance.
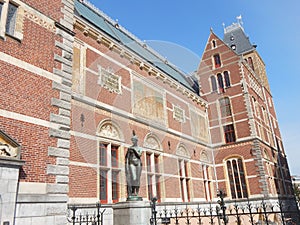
(133, 168)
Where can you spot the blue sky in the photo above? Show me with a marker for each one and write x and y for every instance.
(180, 29)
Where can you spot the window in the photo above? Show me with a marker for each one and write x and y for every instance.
(229, 133)
(109, 172)
(153, 175)
(12, 23)
(207, 182)
(220, 82)
(250, 62)
(236, 176)
(217, 61)
(184, 180)
(11, 19)
(225, 107)
(213, 83)
(227, 79)
(213, 44)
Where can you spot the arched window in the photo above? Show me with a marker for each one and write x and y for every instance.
(220, 82)
(213, 83)
(153, 166)
(225, 107)
(184, 172)
(213, 44)
(217, 61)
(109, 168)
(227, 79)
(250, 62)
(236, 176)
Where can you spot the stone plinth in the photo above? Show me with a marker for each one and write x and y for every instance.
(132, 212)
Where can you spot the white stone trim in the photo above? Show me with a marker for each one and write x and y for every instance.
(32, 188)
(29, 67)
(27, 119)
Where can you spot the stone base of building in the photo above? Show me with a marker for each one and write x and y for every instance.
(132, 212)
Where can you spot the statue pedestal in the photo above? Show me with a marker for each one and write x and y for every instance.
(132, 212)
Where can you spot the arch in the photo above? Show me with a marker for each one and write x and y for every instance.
(220, 82)
(204, 157)
(236, 175)
(182, 151)
(227, 78)
(152, 141)
(213, 83)
(110, 130)
(225, 106)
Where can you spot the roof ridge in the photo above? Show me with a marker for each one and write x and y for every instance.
(135, 38)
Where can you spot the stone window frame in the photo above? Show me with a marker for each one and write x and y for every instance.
(109, 80)
(109, 137)
(17, 31)
(236, 171)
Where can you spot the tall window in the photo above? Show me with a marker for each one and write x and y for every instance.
(250, 62)
(220, 82)
(229, 133)
(213, 83)
(227, 79)
(109, 172)
(10, 15)
(153, 175)
(237, 181)
(213, 44)
(225, 107)
(217, 61)
(11, 19)
(184, 180)
(207, 182)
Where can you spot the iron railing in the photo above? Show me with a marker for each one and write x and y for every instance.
(243, 213)
(90, 214)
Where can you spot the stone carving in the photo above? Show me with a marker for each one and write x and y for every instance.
(42, 21)
(6, 150)
(133, 169)
(181, 151)
(109, 131)
(152, 143)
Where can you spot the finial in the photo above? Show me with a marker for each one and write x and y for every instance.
(239, 20)
(223, 24)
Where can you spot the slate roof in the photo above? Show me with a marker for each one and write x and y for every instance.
(100, 20)
(234, 35)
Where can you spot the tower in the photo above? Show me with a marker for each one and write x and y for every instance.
(246, 141)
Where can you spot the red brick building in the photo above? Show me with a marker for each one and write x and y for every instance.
(75, 84)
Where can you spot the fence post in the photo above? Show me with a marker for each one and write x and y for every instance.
(98, 204)
(73, 208)
(221, 202)
(153, 211)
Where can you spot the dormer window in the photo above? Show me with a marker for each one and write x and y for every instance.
(217, 61)
(213, 44)
(250, 62)
(233, 47)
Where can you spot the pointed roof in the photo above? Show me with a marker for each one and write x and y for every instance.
(235, 38)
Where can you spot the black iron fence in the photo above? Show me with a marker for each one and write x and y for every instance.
(90, 214)
(242, 213)
(254, 212)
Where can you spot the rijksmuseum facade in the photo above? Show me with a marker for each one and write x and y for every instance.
(74, 86)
